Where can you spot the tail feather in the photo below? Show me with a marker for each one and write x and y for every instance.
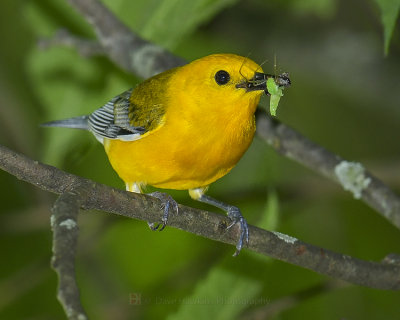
(75, 123)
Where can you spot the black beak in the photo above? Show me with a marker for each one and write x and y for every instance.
(259, 82)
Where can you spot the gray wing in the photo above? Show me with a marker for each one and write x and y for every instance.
(112, 120)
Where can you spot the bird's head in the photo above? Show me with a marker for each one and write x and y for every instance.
(226, 80)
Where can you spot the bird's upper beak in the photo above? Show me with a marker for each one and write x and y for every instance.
(259, 82)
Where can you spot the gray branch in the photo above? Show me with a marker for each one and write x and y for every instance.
(363, 184)
(380, 275)
(85, 47)
(125, 48)
(65, 237)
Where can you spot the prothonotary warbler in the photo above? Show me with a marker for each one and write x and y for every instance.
(182, 129)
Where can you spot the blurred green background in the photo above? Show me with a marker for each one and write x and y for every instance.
(345, 96)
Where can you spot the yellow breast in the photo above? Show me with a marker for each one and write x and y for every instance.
(182, 157)
(204, 132)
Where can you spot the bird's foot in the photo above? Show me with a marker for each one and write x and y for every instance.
(236, 216)
(168, 203)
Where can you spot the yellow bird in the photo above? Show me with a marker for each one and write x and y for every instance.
(182, 129)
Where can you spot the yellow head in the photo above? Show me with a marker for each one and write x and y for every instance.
(218, 83)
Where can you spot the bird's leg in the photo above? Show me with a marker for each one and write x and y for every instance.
(167, 203)
(233, 213)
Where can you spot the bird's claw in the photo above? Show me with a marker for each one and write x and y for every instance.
(167, 203)
(236, 216)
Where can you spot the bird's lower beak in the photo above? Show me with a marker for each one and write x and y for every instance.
(259, 82)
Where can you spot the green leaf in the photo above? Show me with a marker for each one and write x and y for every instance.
(276, 94)
(157, 260)
(270, 218)
(324, 9)
(46, 16)
(222, 295)
(165, 22)
(389, 13)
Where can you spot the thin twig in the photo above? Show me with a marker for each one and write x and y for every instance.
(65, 237)
(384, 275)
(85, 47)
(274, 307)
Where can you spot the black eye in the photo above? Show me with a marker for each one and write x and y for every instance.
(222, 77)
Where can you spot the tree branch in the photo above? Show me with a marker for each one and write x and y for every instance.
(84, 46)
(136, 55)
(384, 275)
(65, 237)
(293, 145)
(125, 48)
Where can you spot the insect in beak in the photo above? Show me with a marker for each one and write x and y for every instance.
(259, 82)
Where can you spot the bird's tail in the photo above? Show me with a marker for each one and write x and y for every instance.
(75, 123)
